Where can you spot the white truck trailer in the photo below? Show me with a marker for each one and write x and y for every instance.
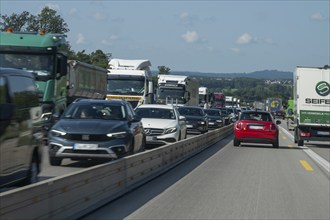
(203, 96)
(312, 104)
(130, 80)
(179, 90)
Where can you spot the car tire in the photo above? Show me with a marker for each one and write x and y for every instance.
(33, 171)
(300, 142)
(276, 143)
(55, 161)
(179, 138)
(236, 142)
(130, 148)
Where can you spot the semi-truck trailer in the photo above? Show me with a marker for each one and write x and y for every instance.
(179, 90)
(130, 80)
(58, 80)
(204, 96)
(218, 100)
(312, 104)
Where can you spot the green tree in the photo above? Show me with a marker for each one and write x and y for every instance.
(17, 22)
(83, 57)
(47, 20)
(98, 58)
(163, 70)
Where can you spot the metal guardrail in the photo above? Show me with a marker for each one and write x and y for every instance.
(75, 194)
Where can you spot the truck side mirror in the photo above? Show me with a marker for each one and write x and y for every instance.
(62, 63)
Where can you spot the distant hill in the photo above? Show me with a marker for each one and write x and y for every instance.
(263, 74)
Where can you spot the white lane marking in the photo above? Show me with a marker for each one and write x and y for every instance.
(318, 159)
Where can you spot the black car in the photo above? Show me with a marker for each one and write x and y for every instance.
(215, 118)
(96, 129)
(279, 114)
(225, 115)
(20, 128)
(196, 118)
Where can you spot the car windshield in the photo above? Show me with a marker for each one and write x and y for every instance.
(256, 116)
(96, 111)
(155, 113)
(212, 112)
(191, 111)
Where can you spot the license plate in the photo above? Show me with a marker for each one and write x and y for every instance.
(211, 123)
(256, 127)
(323, 133)
(151, 138)
(85, 146)
(189, 126)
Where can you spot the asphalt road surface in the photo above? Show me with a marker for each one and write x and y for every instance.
(253, 181)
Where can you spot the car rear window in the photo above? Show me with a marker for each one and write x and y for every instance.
(256, 116)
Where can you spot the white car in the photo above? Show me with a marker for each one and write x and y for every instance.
(162, 123)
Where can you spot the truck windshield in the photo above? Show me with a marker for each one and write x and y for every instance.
(170, 94)
(39, 64)
(126, 86)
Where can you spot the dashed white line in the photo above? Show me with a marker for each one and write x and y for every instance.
(318, 159)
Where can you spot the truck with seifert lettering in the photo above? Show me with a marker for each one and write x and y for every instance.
(130, 80)
(311, 104)
(177, 90)
(59, 80)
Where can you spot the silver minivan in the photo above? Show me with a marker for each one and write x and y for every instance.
(20, 128)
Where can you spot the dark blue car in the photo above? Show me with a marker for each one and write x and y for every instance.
(96, 129)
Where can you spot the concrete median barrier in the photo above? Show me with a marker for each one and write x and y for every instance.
(75, 194)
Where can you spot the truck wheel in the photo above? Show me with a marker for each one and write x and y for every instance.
(236, 142)
(55, 161)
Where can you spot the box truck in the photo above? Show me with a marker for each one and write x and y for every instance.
(312, 104)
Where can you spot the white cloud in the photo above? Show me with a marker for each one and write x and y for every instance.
(245, 39)
(318, 17)
(110, 40)
(235, 50)
(73, 11)
(81, 39)
(99, 16)
(190, 36)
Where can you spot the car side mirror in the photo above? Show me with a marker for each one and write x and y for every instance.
(136, 118)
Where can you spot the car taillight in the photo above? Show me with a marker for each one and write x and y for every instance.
(305, 134)
(239, 126)
(273, 127)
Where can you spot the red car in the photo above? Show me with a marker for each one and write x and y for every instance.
(256, 127)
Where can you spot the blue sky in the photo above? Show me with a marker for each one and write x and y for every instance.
(203, 36)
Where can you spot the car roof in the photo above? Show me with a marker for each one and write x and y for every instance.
(156, 106)
(254, 111)
(13, 71)
(191, 107)
(109, 101)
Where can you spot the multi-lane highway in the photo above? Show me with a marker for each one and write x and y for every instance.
(253, 181)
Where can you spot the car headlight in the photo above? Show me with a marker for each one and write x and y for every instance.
(170, 130)
(57, 133)
(122, 134)
(201, 122)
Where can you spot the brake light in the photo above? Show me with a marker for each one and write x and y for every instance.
(238, 126)
(273, 127)
(305, 134)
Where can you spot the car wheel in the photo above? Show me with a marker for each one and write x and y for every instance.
(179, 138)
(130, 148)
(276, 143)
(236, 142)
(300, 142)
(143, 144)
(33, 171)
(55, 161)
